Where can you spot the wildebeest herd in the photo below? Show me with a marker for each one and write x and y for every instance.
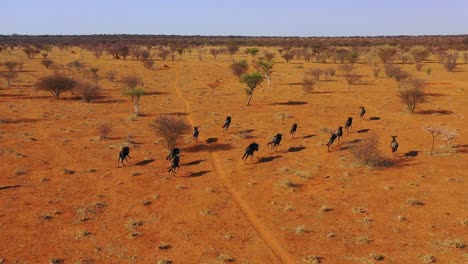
(174, 156)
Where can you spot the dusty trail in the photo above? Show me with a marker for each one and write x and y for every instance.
(264, 233)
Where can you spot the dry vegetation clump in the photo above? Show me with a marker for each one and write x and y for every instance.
(367, 152)
(412, 97)
(56, 84)
(170, 128)
(104, 129)
(427, 259)
(308, 85)
(87, 91)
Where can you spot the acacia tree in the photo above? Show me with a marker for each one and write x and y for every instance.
(252, 80)
(253, 52)
(170, 128)
(435, 132)
(386, 53)
(135, 94)
(239, 68)
(47, 63)
(419, 54)
(56, 84)
(308, 85)
(265, 67)
(412, 97)
(232, 49)
(12, 73)
(287, 57)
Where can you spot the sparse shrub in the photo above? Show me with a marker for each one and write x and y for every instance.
(239, 68)
(163, 53)
(170, 128)
(104, 129)
(352, 79)
(269, 56)
(287, 56)
(47, 63)
(87, 91)
(427, 259)
(450, 61)
(412, 97)
(315, 73)
(346, 69)
(12, 73)
(31, 52)
(428, 71)
(214, 52)
(391, 69)
(376, 70)
(148, 64)
(56, 84)
(308, 85)
(386, 53)
(131, 81)
(366, 152)
(253, 52)
(111, 75)
(419, 54)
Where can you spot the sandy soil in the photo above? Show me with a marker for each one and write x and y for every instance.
(287, 206)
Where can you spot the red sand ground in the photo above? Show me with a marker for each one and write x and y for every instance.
(217, 209)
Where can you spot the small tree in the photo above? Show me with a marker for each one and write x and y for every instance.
(31, 52)
(239, 68)
(450, 61)
(253, 52)
(252, 80)
(287, 57)
(135, 94)
(435, 132)
(353, 56)
(352, 79)
(12, 73)
(232, 49)
(163, 53)
(419, 54)
(315, 73)
(269, 56)
(386, 53)
(87, 91)
(265, 67)
(214, 52)
(401, 76)
(308, 85)
(346, 69)
(412, 97)
(56, 84)
(47, 63)
(148, 64)
(170, 128)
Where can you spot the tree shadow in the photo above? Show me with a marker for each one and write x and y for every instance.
(435, 94)
(268, 159)
(324, 92)
(412, 153)
(291, 103)
(372, 118)
(308, 136)
(355, 141)
(195, 162)
(462, 148)
(363, 131)
(296, 149)
(199, 173)
(246, 131)
(432, 112)
(176, 114)
(211, 140)
(144, 162)
(155, 93)
(209, 147)
(37, 97)
(20, 120)
(110, 101)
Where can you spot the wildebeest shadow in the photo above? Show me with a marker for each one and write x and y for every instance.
(175, 113)
(431, 112)
(199, 173)
(412, 153)
(246, 131)
(295, 149)
(355, 141)
(209, 147)
(268, 159)
(308, 136)
(363, 130)
(195, 162)
(435, 94)
(110, 101)
(291, 103)
(155, 93)
(211, 140)
(374, 118)
(144, 162)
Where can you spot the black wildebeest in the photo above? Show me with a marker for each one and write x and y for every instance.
(339, 133)
(394, 145)
(175, 152)
(195, 134)
(275, 142)
(330, 141)
(123, 154)
(249, 151)
(363, 112)
(348, 124)
(227, 123)
(292, 132)
(174, 165)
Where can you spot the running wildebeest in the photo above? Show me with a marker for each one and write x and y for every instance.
(175, 152)
(227, 123)
(394, 145)
(174, 165)
(195, 133)
(348, 123)
(123, 154)
(330, 141)
(363, 112)
(339, 133)
(275, 142)
(292, 132)
(249, 151)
